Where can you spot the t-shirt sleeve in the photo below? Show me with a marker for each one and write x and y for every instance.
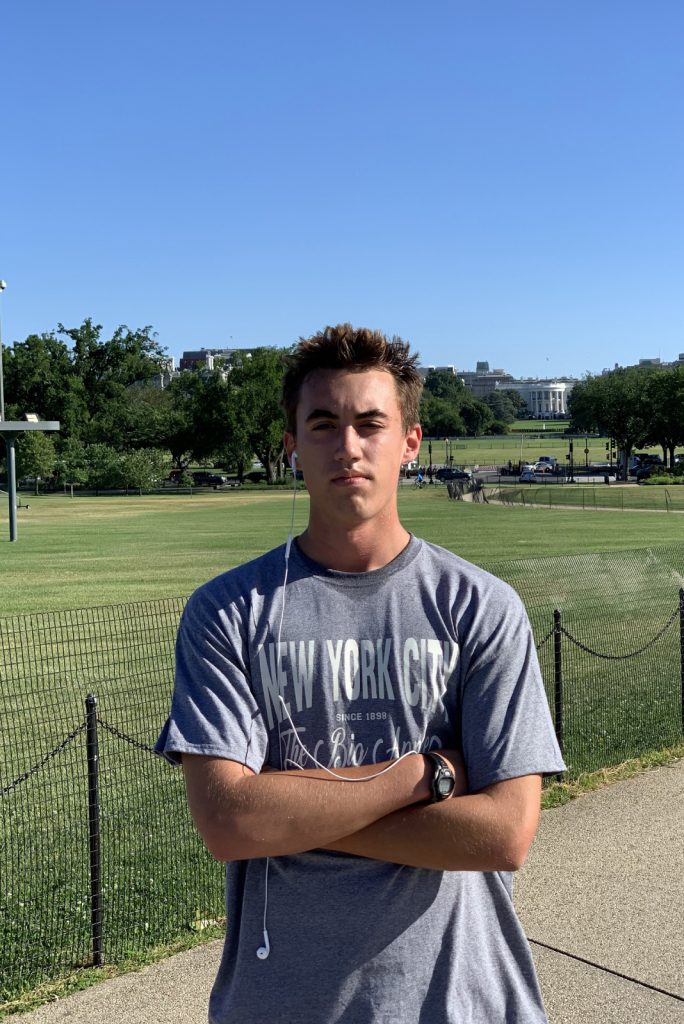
(506, 726)
(213, 711)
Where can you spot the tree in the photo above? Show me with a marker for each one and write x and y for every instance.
(664, 394)
(615, 404)
(444, 384)
(35, 453)
(142, 468)
(39, 378)
(103, 465)
(477, 417)
(106, 369)
(473, 416)
(439, 417)
(255, 388)
(504, 406)
(71, 464)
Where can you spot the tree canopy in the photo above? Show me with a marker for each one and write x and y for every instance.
(638, 407)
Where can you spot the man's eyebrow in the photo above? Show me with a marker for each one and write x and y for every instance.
(320, 414)
(326, 414)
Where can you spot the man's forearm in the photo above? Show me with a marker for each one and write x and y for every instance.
(241, 815)
(486, 831)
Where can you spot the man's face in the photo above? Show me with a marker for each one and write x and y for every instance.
(351, 444)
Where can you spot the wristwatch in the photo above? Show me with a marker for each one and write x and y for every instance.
(443, 779)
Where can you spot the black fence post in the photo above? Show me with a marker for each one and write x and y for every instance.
(94, 829)
(558, 681)
(681, 647)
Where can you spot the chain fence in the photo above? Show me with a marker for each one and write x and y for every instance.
(99, 860)
(59, 908)
(611, 656)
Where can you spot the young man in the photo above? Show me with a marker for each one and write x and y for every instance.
(368, 878)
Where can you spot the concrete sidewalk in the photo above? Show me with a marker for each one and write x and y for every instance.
(603, 882)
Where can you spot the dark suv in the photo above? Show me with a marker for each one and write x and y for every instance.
(650, 469)
(449, 473)
(203, 479)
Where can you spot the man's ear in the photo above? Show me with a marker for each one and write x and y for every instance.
(290, 443)
(412, 445)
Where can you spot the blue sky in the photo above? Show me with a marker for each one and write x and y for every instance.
(496, 180)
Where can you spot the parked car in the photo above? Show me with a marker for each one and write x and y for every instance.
(204, 479)
(651, 469)
(450, 473)
(527, 476)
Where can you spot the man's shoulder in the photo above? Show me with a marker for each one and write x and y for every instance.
(441, 562)
(261, 574)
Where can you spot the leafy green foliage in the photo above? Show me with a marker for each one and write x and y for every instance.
(615, 404)
(258, 420)
(35, 454)
(448, 408)
(142, 468)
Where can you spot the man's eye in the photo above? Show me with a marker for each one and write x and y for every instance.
(322, 426)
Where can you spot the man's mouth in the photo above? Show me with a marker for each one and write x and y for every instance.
(348, 479)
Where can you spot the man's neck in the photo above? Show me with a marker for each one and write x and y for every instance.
(360, 549)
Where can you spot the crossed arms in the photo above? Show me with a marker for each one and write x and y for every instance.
(240, 815)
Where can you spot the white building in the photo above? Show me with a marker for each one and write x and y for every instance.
(546, 399)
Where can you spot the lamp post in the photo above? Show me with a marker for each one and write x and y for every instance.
(10, 430)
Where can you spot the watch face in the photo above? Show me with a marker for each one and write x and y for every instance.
(445, 784)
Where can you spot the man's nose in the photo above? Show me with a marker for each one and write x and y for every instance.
(347, 445)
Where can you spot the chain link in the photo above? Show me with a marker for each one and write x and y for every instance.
(546, 639)
(621, 657)
(122, 736)
(41, 764)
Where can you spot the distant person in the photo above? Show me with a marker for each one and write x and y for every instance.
(363, 729)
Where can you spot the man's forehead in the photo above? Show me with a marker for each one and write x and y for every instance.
(349, 387)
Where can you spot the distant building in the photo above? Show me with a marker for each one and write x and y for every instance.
(207, 358)
(545, 398)
(651, 363)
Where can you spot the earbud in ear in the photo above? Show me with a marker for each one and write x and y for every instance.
(293, 461)
(263, 951)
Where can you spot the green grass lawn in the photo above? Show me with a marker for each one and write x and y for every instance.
(82, 552)
(497, 451)
(519, 447)
(619, 497)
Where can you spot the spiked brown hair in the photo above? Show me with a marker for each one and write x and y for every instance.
(354, 349)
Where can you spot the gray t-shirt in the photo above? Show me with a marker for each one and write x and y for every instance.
(427, 652)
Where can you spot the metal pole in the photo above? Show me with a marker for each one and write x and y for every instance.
(11, 485)
(94, 829)
(558, 681)
(681, 647)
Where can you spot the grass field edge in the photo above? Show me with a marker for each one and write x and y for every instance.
(87, 977)
(558, 793)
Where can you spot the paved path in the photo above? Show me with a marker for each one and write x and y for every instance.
(603, 882)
